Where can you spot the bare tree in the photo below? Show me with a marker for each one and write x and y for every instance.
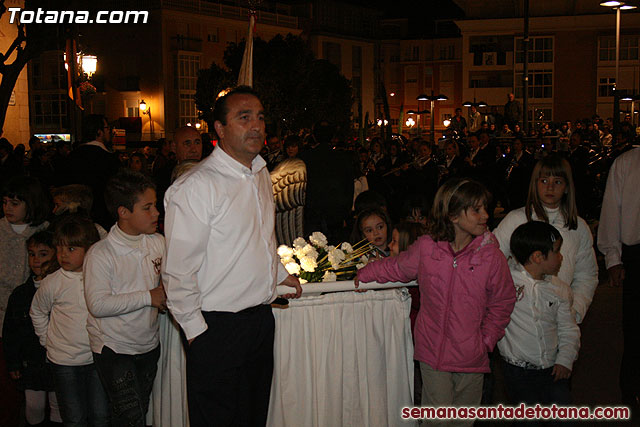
(30, 42)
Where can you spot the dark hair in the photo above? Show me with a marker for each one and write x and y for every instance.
(34, 140)
(75, 230)
(292, 140)
(91, 125)
(553, 165)
(60, 143)
(412, 202)
(323, 131)
(29, 190)
(357, 234)
(533, 236)
(369, 200)
(220, 109)
(408, 232)
(6, 145)
(453, 197)
(124, 189)
(44, 237)
(143, 160)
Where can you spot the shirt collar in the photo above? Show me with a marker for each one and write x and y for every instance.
(98, 144)
(221, 156)
(120, 246)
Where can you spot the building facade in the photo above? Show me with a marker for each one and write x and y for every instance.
(157, 62)
(571, 58)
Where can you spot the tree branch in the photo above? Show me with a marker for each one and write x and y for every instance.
(17, 43)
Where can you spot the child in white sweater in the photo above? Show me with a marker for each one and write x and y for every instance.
(59, 315)
(124, 293)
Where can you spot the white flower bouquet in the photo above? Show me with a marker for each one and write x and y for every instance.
(316, 261)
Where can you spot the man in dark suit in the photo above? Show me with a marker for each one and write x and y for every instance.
(519, 174)
(425, 174)
(330, 179)
(579, 160)
(93, 163)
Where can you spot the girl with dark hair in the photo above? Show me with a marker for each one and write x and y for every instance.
(375, 226)
(552, 199)
(25, 208)
(26, 358)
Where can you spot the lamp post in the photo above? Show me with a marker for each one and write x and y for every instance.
(432, 98)
(147, 110)
(617, 6)
(418, 113)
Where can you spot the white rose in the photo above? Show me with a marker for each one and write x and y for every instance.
(299, 243)
(318, 239)
(335, 257)
(329, 276)
(310, 251)
(286, 261)
(302, 281)
(308, 264)
(285, 251)
(292, 268)
(346, 247)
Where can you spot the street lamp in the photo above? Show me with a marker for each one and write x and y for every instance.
(433, 98)
(89, 64)
(147, 110)
(418, 113)
(617, 6)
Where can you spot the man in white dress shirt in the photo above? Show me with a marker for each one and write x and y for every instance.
(619, 241)
(222, 268)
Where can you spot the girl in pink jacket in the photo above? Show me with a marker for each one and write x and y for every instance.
(466, 294)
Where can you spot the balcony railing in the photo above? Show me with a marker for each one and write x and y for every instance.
(205, 8)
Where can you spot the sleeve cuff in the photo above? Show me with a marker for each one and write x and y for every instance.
(194, 327)
(612, 259)
(147, 298)
(564, 361)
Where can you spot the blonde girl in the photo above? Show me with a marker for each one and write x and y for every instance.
(552, 199)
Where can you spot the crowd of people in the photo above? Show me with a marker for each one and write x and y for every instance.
(95, 244)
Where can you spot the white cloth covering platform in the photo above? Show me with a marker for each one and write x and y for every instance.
(341, 359)
(168, 403)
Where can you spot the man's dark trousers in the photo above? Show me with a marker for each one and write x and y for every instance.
(230, 367)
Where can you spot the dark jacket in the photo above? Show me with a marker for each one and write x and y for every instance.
(22, 349)
(512, 112)
(92, 166)
(329, 187)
